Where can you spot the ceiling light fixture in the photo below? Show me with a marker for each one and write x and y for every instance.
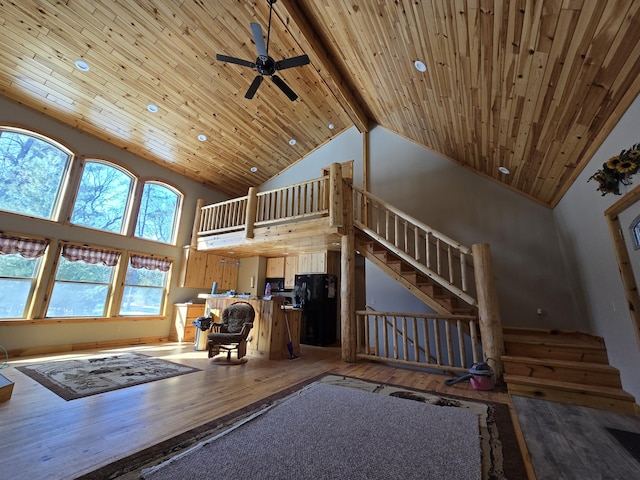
(504, 170)
(202, 137)
(254, 169)
(331, 126)
(82, 65)
(152, 108)
(421, 67)
(292, 142)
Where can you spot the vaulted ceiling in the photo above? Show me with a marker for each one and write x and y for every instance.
(531, 86)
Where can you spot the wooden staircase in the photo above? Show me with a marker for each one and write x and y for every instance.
(440, 299)
(561, 366)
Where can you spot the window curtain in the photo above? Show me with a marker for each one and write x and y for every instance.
(74, 253)
(27, 247)
(150, 263)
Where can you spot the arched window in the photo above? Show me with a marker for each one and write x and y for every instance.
(33, 173)
(104, 197)
(159, 211)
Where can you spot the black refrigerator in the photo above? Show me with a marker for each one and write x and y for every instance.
(317, 295)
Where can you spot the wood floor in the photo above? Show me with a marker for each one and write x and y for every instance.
(43, 435)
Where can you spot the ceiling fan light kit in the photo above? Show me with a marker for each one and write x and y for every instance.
(264, 64)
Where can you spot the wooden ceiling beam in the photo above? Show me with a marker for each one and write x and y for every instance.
(300, 28)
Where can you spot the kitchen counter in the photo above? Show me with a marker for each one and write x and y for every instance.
(269, 336)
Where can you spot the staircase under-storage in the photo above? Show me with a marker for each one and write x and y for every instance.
(562, 366)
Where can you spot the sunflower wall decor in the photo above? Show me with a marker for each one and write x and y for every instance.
(618, 170)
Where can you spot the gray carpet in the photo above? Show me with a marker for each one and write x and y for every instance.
(331, 432)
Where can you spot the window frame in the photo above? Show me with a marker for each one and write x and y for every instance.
(59, 204)
(123, 283)
(138, 204)
(131, 201)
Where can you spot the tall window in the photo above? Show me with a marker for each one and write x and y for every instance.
(158, 214)
(20, 261)
(33, 173)
(104, 197)
(144, 285)
(83, 282)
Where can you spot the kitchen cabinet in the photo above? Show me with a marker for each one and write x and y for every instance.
(290, 271)
(275, 267)
(183, 314)
(200, 269)
(319, 262)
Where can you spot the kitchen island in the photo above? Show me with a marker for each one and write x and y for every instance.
(269, 336)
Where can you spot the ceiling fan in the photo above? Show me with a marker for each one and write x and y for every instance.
(264, 64)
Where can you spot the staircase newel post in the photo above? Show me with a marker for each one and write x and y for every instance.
(488, 309)
(336, 201)
(250, 214)
(347, 280)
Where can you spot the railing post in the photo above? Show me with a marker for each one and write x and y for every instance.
(347, 282)
(488, 311)
(196, 222)
(336, 203)
(252, 203)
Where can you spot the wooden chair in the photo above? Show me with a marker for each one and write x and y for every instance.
(231, 333)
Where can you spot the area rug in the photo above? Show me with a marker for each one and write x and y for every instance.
(72, 379)
(500, 455)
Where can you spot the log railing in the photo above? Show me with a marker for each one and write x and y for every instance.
(434, 254)
(431, 341)
(290, 203)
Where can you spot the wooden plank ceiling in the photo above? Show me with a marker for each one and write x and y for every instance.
(531, 86)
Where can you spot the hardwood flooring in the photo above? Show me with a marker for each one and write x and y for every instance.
(567, 442)
(44, 436)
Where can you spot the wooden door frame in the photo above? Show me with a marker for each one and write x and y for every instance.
(622, 254)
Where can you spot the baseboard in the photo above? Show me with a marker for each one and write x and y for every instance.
(52, 349)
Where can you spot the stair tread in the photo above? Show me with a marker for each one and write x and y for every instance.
(559, 363)
(610, 392)
(563, 336)
(555, 341)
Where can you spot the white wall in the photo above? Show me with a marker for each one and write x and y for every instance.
(467, 207)
(585, 237)
(17, 335)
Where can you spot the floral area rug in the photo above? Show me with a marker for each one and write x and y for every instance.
(72, 379)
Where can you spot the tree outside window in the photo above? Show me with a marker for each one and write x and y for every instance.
(103, 198)
(32, 173)
(158, 214)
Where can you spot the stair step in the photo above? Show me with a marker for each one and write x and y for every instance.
(563, 370)
(594, 396)
(551, 336)
(521, 346)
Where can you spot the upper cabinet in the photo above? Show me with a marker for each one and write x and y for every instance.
(290, 271)
(319, 262)
(275, 267)
(200, 269)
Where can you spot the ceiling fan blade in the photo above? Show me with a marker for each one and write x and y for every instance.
(256, 29)
(253, 87)
(292, 62)
(237, 61)
(284, 87)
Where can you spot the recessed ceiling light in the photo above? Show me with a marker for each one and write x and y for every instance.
(152, 108)
(254, 169)
(331, 126)
(292, 142)
(202, 137)
(421, 67)
(82, 65)
(504, 170)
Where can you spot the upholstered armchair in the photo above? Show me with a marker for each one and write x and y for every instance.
(231, 333)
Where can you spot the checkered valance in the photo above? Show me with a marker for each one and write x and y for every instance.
(27, 247)
(150, 263)
(75, 253)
